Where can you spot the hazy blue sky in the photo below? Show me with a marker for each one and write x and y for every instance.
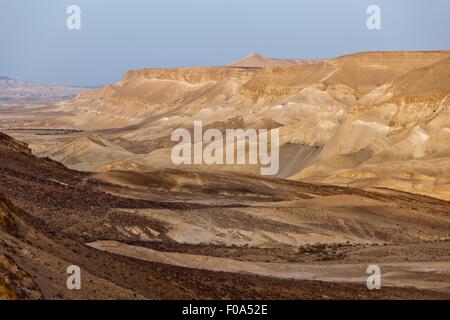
(119, 35)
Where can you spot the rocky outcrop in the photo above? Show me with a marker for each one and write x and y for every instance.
(7, 222)
(16, 284)
(13, 144)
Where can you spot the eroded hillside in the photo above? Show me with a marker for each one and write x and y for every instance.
(369, 120)
(174, 234)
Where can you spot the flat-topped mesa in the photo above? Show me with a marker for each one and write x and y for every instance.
(360, 72)
(406, 58)
(161, 89)
(191, 75)
(365, 71)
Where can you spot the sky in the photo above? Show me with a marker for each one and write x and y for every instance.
(120, 35)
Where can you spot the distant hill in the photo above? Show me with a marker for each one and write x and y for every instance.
(256, 60)
(20, 90)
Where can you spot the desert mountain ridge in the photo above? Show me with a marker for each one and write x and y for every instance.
(369, 119)
(364, 178)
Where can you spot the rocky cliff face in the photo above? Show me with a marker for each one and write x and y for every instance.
(361, 72)
(196, 75)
